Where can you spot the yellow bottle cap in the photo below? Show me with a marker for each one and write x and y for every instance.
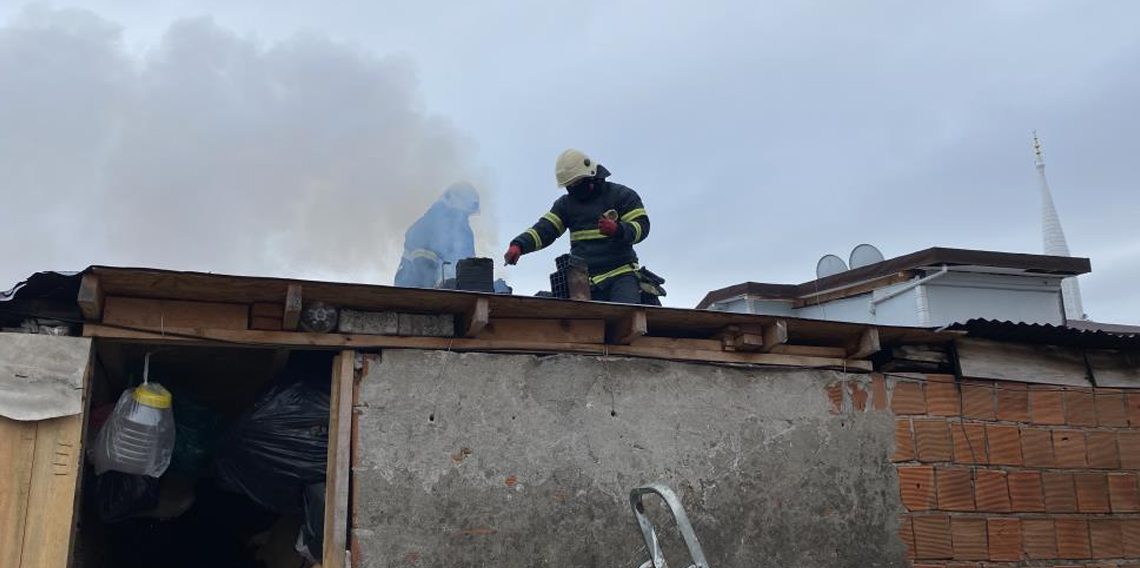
(153, 395)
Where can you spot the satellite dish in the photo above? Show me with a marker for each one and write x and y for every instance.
(864, 255)
(829, 265)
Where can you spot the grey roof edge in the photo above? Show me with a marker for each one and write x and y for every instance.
(1032, 263)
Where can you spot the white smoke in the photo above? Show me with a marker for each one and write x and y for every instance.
(211, 151)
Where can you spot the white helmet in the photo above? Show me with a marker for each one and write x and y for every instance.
(573, 165)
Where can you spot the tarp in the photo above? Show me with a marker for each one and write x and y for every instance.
(41, 376)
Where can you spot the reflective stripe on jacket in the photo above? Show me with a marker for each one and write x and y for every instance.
(602, 253)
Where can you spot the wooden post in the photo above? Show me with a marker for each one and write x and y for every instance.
(578, 281)
(292, 308)
(337, 476)
(865, 345)
(476, 317)
(629, 327)
(90, 298)
(775, 334)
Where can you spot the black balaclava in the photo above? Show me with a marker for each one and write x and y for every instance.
(585, 190)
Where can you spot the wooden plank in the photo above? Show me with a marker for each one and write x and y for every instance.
(1114, 368)
(264, 323)
(672, 343)
(17, 448)
(151, 314)
(339, 464)
(810, 351)
(266, 315)
(922, 353)
(865, 345)
(713, 345)
(475, 319)
(744, 342)
(858, 289)
(1048, 364)
(354, 496)
(629, 327)
(545, 330)
(292, 307)
(52, 499)
(684, 351)
(755, 338)
(267, 309)
(90, 298)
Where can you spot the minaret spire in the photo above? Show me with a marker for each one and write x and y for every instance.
(1053, 237)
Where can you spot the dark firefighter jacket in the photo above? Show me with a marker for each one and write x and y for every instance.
(606, 256)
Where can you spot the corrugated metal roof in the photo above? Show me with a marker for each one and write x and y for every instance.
(1092, 335)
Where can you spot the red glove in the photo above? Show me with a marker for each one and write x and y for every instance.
(608, 227)
(513, 254)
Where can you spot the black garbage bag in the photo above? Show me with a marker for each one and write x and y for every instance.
(124, 495)
(273, 450)
(311, 543)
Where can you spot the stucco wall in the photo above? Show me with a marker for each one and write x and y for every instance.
(513, 460)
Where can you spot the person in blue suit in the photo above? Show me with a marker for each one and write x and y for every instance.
(439, 239)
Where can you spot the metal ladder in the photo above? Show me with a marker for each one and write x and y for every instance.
(656, 555)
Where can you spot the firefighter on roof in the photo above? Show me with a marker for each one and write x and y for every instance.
(605, 219)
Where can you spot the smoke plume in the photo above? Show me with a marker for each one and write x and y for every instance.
(211, 151)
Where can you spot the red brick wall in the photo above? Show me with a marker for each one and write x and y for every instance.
(1009, 474)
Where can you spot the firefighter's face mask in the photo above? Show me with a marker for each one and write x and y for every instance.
(582, 189)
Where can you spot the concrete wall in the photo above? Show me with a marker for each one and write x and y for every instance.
(511, 460)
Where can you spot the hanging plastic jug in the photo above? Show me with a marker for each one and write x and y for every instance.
(138, 438)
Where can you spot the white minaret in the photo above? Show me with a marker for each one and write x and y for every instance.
(1054, 238)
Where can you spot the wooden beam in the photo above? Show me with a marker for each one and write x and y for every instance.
(858, 289)
(695, 350)
(764, 339)
(810, 351)
(1006, 361)
(1114, 368)
(174, 314)
(545, 330)
(628, 328)
(90, 298)
(337, 477)
(266, 315)
(292, 308)
(476, 318)
(699, 350)
(865, 345)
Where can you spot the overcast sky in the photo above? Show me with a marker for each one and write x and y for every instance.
(299, 139)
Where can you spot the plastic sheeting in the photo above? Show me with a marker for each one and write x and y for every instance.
(278, 447)
(41, 376)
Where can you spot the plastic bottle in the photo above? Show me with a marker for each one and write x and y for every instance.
(138, 438)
